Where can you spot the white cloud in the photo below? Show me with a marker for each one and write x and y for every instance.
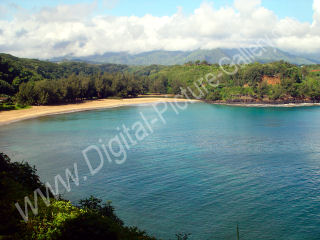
(109, 4)
(71, 29)
(246, 6)
(65, 13)
(316, 9)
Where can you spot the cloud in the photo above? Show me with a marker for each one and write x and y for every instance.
(74, 30)
(316, 9)
(246, 6)
(3, 11)
(21, 33)
(109, 4)
(65, 13)
(62, 45)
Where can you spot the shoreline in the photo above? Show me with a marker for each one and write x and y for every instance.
(275, 104)
(269, 105)
(12, 116)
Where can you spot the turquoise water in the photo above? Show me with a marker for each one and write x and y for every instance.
(203, 172)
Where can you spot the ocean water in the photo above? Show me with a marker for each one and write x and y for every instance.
(202, 171)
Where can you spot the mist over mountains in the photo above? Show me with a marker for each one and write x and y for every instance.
(226, 56)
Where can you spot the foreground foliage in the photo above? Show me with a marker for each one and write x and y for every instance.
(60, 220)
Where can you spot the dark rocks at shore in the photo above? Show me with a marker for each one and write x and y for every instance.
(252, 101)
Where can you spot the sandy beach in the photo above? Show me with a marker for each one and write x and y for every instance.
(7, 117)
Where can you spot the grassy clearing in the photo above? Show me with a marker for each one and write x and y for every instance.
(8, 107)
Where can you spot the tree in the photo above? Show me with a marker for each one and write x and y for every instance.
(159, 84)
(204, 62)
(60, 219)
(94, 204)
(262, 90)
(6, 88)
(26, 94)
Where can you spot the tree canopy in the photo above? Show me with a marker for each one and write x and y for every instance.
(35, 82)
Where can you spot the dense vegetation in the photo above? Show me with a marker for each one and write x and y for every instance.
(33, 82)
(296, 83)
(289, 83)
(61, 220)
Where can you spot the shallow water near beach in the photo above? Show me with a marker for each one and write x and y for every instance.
(202, 172)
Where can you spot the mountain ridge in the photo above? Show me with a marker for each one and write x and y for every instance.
(213, 56)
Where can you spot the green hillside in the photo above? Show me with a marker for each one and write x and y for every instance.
(34, 82)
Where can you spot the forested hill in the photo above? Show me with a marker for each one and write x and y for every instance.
(45, 82)
(15, 70)
(34, 82)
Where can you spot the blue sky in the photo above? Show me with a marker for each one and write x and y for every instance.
(298, 9)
